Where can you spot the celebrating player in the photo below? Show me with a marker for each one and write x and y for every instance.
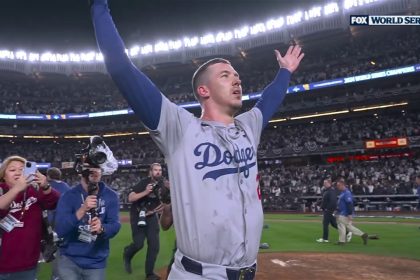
(212, 161)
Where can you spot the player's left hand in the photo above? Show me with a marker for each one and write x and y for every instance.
(291, 59)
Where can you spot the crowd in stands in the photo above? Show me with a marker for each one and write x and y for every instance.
(77, 95)
(285, 137)
(284, 185)
(340, 132)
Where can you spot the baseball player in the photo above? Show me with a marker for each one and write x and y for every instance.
(212, 163)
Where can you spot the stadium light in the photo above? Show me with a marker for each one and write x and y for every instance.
(99, 57)
(294, 19)
(274, 23)
(161, 46)
(258, 28)
(146, 49)
(21, 55)
(5, 54)
(241, 33)
(76, 136)
(39, 137)
(379, 107)
(174, 45)
(331, 8)
(220, 37)
(207, 39)
(224, 37)
(119, 134)
(277, 120)
(48, 57)
(63, 57)
(320, 115)
(348, 4)
(191, 42)
(74, 57)
(134, 51)
(33, 56)
(313, 13)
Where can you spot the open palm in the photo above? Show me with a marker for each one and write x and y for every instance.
(291, 59)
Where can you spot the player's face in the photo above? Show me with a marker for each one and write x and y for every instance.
(418, 181)
(225, 88)
(327, 183)
(95, 175)
(156, 172)
(13, 172)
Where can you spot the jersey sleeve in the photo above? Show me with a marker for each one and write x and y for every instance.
(173, 122)
(273, 95)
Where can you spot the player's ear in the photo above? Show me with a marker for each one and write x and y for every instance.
(203, 92)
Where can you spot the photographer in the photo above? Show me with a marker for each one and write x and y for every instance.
(144, 220)
(87, 217)
(21, 203)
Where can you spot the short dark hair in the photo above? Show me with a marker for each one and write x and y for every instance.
(418, 175)
(198, 74)
(54, 173)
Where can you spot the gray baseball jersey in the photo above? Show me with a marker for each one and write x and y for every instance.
(215, 192)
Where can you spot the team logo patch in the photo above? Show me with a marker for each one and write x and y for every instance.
(212, 156)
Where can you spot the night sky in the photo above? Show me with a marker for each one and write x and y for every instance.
(64, 25)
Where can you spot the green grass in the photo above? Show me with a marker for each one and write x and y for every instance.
(285, 233)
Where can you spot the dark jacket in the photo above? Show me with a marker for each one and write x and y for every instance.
(329, 200)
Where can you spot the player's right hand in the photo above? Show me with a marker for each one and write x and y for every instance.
(90, 202)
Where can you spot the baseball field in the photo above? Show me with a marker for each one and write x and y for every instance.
(294, 254)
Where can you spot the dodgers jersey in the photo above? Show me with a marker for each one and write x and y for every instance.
(215, 195)
(212, 166)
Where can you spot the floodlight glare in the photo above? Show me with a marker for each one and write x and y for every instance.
(134, 51)
(146, 49)
(331, 8)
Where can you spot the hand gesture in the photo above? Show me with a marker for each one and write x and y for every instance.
(291, 59)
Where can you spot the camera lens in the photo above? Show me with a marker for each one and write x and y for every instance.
(98, 158)
(28, 164)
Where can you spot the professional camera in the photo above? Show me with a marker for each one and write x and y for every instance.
(96, 154)
(160, 194)
(161, 191)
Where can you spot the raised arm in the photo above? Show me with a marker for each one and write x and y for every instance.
(273, 95)
(141, 94)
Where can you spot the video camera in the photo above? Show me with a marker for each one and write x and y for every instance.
(91, 156)
(95, 155)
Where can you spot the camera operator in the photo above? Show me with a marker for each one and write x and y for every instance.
(87, 217)
(144, 220)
